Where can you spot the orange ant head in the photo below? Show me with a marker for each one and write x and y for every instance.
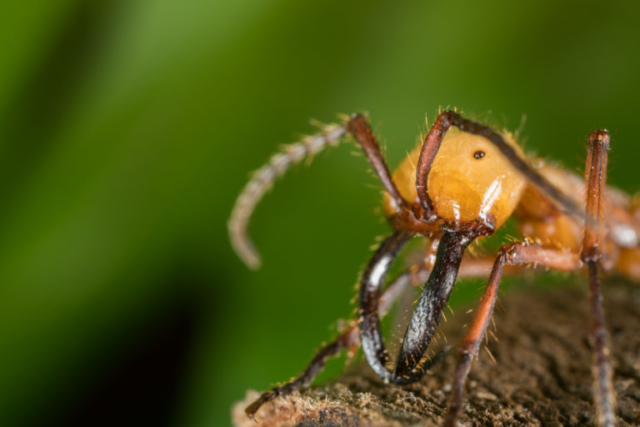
(469, 179)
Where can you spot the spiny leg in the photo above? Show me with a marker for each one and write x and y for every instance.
(432, 143)
(473, 267)
(346, 340)
(512, 254)
(596, 175)
(350, 338)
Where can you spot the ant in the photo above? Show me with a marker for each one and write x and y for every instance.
(461, 184)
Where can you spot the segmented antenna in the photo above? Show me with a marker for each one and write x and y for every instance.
(263, 179)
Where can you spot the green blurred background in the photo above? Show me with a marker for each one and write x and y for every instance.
(127, 128)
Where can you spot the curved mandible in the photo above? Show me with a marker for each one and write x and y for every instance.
(371, 282)
(426, 317)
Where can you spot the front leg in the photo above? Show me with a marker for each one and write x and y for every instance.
(512, 254)
(596, 174)
(347, 340)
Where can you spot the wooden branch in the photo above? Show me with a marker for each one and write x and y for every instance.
(541, 376)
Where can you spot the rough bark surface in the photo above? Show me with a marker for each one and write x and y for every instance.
(541, 376)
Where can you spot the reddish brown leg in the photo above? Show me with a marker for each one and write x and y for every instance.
(512, 254)
(432, 143)
(596, 171)
(347, 340)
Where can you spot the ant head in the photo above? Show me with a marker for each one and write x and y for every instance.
(470, 179)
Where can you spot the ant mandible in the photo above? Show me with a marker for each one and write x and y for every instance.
(462, 184)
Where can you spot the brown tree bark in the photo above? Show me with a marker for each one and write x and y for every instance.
(541, 375)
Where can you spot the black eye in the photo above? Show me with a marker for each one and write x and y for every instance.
(478, 154)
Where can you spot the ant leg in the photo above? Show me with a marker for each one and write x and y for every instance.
(512, 254)
(596, 175)
(432, 143)
(349, 338)
(346, 340)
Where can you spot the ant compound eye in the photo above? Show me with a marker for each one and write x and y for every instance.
(478, 154)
